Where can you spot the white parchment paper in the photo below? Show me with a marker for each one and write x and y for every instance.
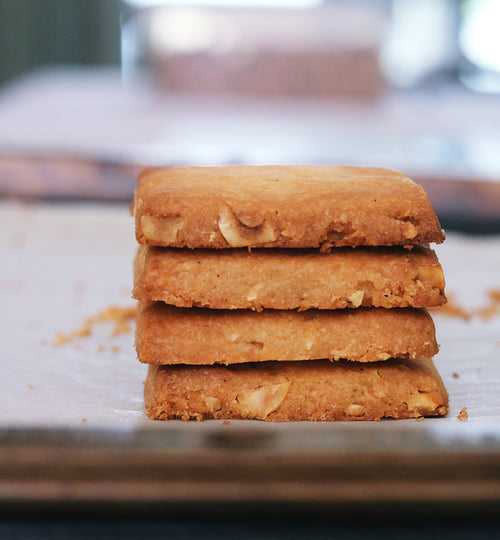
(60, 264)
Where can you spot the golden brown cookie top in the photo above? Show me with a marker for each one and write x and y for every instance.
(281, 206)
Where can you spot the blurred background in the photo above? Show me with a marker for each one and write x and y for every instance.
(91, 90)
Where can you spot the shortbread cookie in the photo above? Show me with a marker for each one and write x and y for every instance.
(284, 391)
(273, 206)
(170, 335)
(289, 279)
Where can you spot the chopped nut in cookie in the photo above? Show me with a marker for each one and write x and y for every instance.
(238, 234)
(356, 298)
(262, 401)
(161, 229)
(355, 410)
(213, 404)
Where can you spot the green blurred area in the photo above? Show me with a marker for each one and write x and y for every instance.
(37, 33)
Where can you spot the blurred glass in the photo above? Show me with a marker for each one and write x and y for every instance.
(444, 41)
(301, 48)
(479, 41)
(422, 41)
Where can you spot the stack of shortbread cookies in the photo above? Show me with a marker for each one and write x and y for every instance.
(287, 293)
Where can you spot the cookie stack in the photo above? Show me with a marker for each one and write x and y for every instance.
(287, 293)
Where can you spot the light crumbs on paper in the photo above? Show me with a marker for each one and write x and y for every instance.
(119, 316)
(492, 309)
(463, 415)
(453, 309)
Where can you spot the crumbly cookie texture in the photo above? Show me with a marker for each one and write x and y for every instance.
(170, 335)
(288, 391)
(281, 206)
(289, 279)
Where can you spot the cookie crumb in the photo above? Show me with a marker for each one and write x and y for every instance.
(419, 418)
(119, 316)
(115, 349)
(83, 421)
(487, 312)
(493, 308)
(455, 375)
(31, 387)
(494, 295)
(453, 309)
(463, 415)
(101, 348)
(63, 339)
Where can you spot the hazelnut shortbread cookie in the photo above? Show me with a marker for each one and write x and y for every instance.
(285, 391)
(171, 335)
(289, 279)
(281, 206)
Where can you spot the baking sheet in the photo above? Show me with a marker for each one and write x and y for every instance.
(61, 264)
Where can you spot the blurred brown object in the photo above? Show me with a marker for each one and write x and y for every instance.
(470, 204)
(54, 177)
(218, 465)
(322, 51)
(351, 74)
(466, 204)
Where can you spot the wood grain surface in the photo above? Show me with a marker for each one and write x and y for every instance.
(246, 465)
